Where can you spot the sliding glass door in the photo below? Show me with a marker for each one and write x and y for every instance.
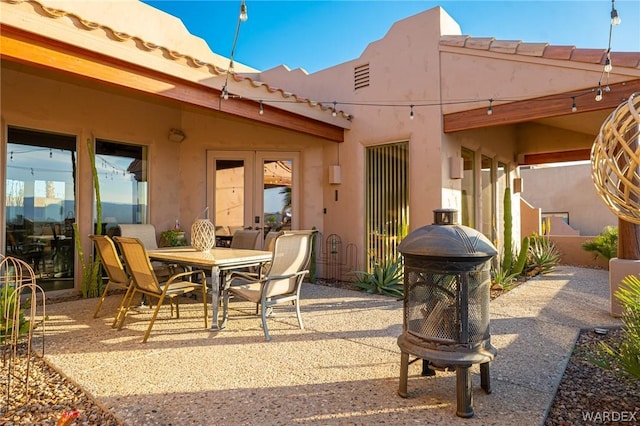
(40, 204)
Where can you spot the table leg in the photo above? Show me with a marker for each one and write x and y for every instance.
(215, 297)
(225, 300)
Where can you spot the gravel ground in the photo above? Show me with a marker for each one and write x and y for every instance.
(585, 390)
(49, 396)
(589, 395)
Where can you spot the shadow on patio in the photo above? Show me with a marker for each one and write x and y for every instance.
(343, 368)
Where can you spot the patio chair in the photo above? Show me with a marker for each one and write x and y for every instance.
(111, 263)
(146, 233)
(145, 282)
(245, 239)
(282, 283)
(270, 240)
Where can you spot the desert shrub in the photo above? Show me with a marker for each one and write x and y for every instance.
(605, 244)
(626, 356)
(543, 255)
(386, 278)
(8, 315)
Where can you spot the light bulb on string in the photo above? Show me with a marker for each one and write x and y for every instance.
(599, 94)
(574, 107)
(261, 110)
(334, 112)
(607, 64)
(490, 110)
(615, 18)
(243, 12)
(411, 113)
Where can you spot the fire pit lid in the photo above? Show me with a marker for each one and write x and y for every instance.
(445, 239)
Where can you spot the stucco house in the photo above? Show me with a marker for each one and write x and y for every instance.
(363, 151)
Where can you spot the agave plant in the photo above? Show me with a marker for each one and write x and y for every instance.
(386, 278)
(543, 255)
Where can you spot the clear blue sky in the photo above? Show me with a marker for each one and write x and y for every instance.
(319, 34)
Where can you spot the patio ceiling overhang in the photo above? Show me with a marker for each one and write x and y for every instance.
(553, 110)
(45, 53)
(538, 108)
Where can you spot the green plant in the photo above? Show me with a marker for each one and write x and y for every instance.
(605, 244)
(507, 258)
(626, 355)
(92, 269)
(543, 255)
(8, 305)
(504, 271)
(173, 238)
(386, 278)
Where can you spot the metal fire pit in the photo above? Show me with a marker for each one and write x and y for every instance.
(446, 304)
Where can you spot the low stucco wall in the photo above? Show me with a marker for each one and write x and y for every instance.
(571, 252)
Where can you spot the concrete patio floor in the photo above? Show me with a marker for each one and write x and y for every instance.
(343, 368)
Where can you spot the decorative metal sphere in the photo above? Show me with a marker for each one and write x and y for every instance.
(203, 235)
(615, 160)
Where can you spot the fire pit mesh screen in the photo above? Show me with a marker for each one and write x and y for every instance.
(434, 306)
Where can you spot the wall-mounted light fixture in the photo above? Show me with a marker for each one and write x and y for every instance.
(335, 175)
(176, 135)
(456, 167)
(517, 185)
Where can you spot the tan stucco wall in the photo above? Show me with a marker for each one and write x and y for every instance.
(409, 64)
(177, 171)
(571, 252)
(530, 219)
(568, 189)
(404, 65)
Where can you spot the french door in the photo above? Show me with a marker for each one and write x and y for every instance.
(256, 189)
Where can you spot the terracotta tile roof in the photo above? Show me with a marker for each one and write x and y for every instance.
(172, 55)
(543, 50)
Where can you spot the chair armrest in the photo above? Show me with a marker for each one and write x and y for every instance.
(184, 274)
(284, 277)
(249, 276)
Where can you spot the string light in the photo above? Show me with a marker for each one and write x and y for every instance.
(242, 17)
(608, 67)
(243, 12)
(615, 19)
(607, 63)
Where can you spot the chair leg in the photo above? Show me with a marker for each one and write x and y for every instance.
(204, 302)
(125, 309)
(153, 318)
(298, 314)
(263, 307)
(104, 294)
(121, 306)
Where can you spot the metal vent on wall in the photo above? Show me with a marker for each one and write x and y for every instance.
(361, 76)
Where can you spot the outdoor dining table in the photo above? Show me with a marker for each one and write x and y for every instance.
(219, 260)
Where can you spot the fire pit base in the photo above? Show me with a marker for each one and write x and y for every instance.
(442, 360)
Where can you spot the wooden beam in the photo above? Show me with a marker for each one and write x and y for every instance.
(34, 50)
(555, 157)
(538, 108)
